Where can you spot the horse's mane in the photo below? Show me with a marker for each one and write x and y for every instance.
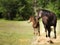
(45, 10)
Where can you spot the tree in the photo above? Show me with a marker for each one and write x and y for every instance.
(22, 9)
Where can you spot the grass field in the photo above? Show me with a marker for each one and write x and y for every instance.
(19, 32)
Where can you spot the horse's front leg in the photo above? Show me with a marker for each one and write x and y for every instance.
(49, 31)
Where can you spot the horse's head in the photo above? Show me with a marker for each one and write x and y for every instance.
(39, 13)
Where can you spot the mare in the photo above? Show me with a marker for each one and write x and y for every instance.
(49, 19)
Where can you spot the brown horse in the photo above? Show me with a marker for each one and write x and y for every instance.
(35, 24)
(49, 19)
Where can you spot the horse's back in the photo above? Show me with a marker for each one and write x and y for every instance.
(49, 18)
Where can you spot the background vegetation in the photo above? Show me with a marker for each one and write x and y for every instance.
(22, 9)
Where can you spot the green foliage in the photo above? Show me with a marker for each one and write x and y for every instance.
(22, 9)
(10, 9)
(52, 5)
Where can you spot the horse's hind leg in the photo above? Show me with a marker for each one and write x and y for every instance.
(55, 31)
(46, 32)
(49, 31)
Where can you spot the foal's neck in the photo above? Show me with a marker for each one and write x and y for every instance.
(34, 21)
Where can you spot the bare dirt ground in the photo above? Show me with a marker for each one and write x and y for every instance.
(43, 40)
(37, 40)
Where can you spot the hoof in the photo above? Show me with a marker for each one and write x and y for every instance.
(46, 36)
(50, 41)
(54, 37)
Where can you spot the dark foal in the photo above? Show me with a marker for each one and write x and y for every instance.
(35, 24)
(49, 19)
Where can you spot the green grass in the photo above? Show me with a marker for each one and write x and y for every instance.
(17, 32)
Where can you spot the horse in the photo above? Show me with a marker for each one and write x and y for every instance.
(49, 19)
(35, 25)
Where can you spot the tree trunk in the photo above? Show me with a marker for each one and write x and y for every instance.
(35, 7)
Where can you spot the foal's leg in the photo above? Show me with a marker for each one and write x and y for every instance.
(34, 31)
(39, 30)
(55, 31)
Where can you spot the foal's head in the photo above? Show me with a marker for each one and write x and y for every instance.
(32, 19)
